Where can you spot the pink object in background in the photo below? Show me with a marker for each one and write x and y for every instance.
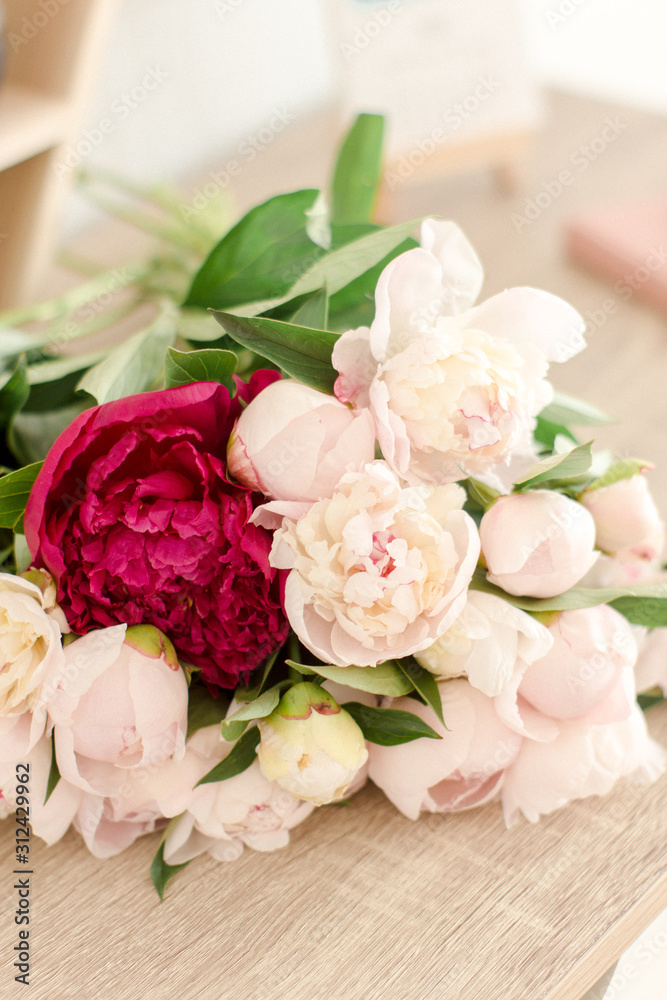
(626, 244)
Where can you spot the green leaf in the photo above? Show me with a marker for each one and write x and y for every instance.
(196, 325)
(249, 694)
(385, 679)
(54, 772)
(558, 468)
(235, 725)
(389, 726)
(32, 434)
(161, 872)
(302, 352)
(314, 313)
(424, 683)
(653, 597)
(14, 492)
(648, 611)
(56, 369)
(301, 668)
(237, 760)
(546, 433)
(647, 699)
(624, 469)
(134, 366)
(203, 709)
(275, 233)
(358, 171)
(22, 554)
(207, 365)
(479, 493)
(338, 268)
(53, 383)
(568, 410)
(14, 393)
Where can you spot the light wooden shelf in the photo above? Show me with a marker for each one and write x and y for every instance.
(51, 65)
(30, 123)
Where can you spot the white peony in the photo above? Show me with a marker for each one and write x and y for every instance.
(454, 390)
(376, 571)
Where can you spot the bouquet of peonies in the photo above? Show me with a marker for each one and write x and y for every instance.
(345, 532)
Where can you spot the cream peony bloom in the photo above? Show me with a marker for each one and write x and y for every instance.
(377, 571)
(454, 390)
(31, 653)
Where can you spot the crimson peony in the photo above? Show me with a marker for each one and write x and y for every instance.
(135, 517)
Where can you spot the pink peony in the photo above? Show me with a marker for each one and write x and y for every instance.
(588, 674)
(135, 517)
(627, 522)
(221, 817)
(121, 704)
(582, 760)
(294, 443)
(463, 769)
(538, 544)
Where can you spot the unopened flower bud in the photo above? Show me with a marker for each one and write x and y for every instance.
(311, 746)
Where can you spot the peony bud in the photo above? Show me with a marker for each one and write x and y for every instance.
(588, 672)
(626, 518)
(295, 443)
(311, 746)
(537, 544)
(122, 704)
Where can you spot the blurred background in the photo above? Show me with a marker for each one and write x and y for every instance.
(227, 65)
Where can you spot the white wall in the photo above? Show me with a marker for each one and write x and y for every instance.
(615, 49)
(186, 81)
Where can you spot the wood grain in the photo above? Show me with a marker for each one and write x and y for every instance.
(364, 904)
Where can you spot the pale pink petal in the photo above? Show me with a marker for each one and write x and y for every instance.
(406, 772)
(352, 358)
(618, 704)
(651, 670)
(581, 761)
(408, 298)
(462, 272)
(271, 515)
(518, 715)
(16, 732)
(533, 317)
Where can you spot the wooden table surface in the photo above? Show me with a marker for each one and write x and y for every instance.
(365, 904)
